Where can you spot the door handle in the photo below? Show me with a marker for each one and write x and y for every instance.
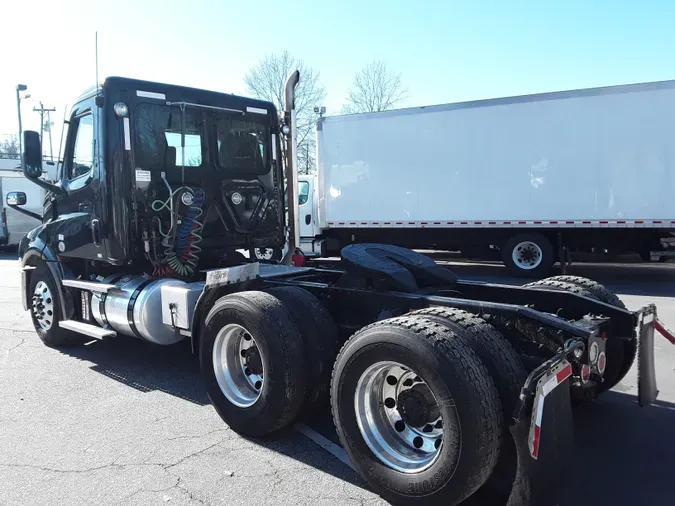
(308, 219)
(96, 232)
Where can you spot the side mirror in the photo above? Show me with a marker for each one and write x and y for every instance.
(32, 155)
(16, 199)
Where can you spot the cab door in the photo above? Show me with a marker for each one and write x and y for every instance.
(76, 230)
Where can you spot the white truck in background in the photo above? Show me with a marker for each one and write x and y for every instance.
(533, 177)
(13, 224)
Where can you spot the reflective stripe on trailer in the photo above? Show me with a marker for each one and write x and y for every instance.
(505, 224)
(544, 387)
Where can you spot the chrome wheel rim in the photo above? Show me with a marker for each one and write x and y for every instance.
(527, 255)
(43, 306)
(264, 253)
(237, 364)
(399, 417)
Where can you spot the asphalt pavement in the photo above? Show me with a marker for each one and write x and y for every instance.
(124, 422)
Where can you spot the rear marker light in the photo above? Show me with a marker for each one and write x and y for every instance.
(602, 362)
(585, 373)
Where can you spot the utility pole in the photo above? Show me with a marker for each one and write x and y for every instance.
(49, 122)
(42, 112)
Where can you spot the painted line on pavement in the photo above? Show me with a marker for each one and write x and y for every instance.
(324, 443)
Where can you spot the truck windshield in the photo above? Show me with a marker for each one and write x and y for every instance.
(158, 137)
(242, 144)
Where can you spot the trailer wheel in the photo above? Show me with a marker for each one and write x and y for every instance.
(528, 255)
(252, 361)
(499, 357)
(416, 411)
(620, 354)
(320, 336)
(45, 312)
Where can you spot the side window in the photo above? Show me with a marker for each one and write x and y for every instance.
(303, 192)
(83, 150)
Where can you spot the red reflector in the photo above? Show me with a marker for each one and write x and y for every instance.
(298, 260)
(564, 373)
(535, 442)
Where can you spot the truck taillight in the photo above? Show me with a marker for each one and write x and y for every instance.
(602, 362)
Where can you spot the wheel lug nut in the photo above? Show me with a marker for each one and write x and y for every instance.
(399, 426)
(390, 403)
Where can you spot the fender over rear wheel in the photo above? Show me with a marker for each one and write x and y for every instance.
(416, 411)
(252, 360)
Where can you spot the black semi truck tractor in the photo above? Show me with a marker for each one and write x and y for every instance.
(443, 391)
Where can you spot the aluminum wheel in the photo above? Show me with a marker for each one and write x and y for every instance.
(527, 255)
(238, 365)
(43, 306)
(264, 253)
(399, 417)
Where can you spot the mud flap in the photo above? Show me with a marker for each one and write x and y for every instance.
(541, 446)
(541, 481)
(647, 389)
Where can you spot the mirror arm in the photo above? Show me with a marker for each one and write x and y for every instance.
(57, 189)
(27, 213)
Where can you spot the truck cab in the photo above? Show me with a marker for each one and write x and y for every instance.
(163, 179)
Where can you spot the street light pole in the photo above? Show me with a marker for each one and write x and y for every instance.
(19, 89)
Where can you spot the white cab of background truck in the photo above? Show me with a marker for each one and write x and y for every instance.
(14, 225)
(529, 177)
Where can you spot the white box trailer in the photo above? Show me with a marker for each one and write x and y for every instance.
(531, 175)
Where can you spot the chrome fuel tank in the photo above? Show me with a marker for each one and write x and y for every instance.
(136, 308)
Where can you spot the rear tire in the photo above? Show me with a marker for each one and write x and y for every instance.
(528, 255)
(278, 358)
(319, 334)
(45, 310)
(451, 371)
(620, 354)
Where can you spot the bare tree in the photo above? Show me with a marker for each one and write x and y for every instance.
(9, 147)
(266, 81)
(375, 88)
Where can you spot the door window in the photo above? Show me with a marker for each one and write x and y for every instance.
(303, 192)
(83, 150)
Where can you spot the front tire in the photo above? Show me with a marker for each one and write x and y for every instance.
(528, 255)
(252, 361)
(45, 310)
(417, 412)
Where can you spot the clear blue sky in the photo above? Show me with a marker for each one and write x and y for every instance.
(446, 51)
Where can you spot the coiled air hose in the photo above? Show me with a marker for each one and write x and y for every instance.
(185, 237)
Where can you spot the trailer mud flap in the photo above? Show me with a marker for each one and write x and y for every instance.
(543, 462)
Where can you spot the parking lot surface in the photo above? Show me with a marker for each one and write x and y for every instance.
(124, 422)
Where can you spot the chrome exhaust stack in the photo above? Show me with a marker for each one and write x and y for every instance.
(289, 130)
